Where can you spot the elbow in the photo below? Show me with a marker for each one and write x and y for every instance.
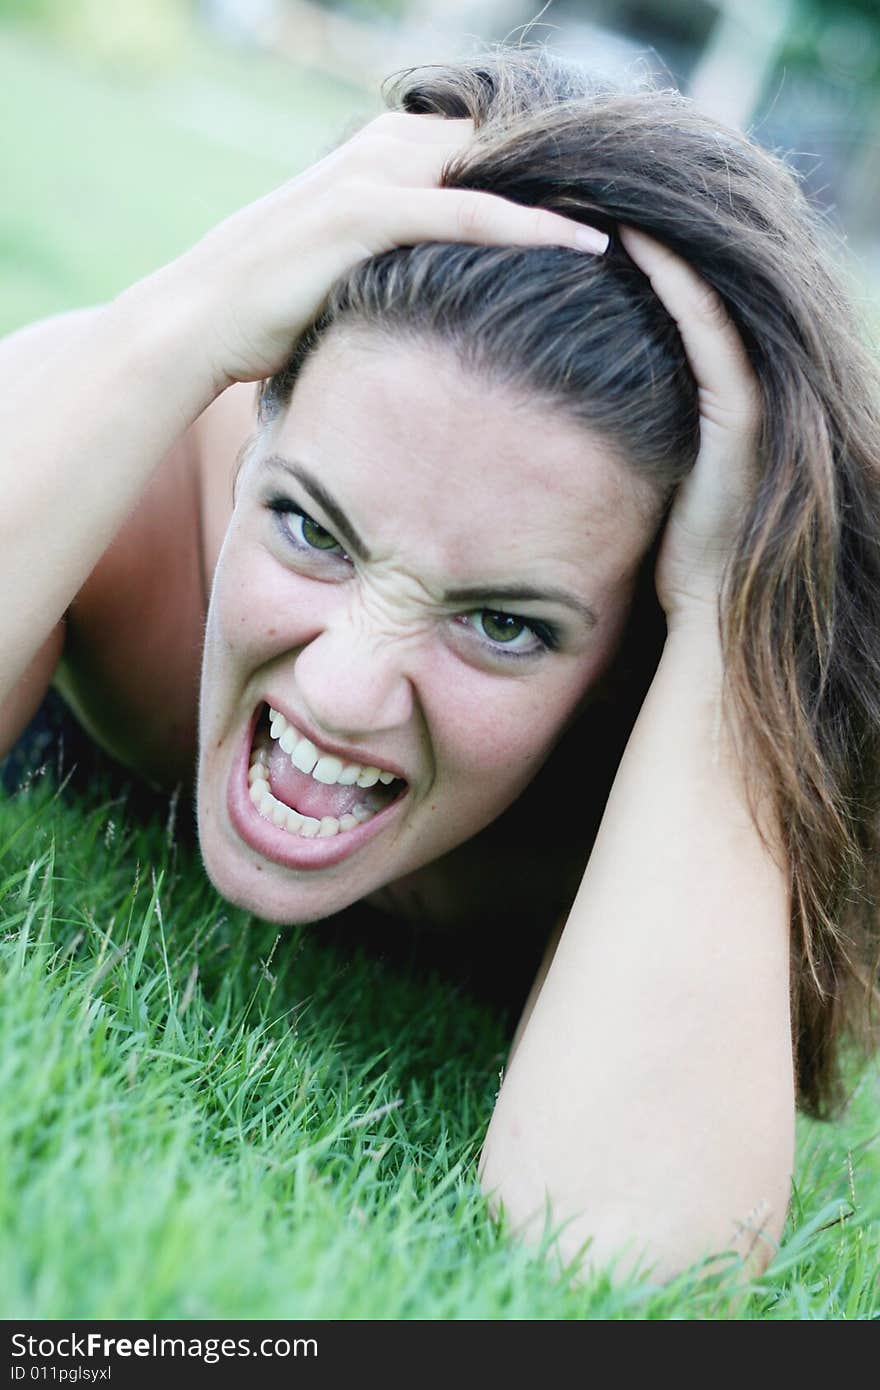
(658, 1230)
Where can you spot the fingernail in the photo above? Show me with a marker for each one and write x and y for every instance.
(589, 239)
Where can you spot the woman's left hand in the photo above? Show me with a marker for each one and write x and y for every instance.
(711, 501)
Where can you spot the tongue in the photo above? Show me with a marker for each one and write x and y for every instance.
(304, 794)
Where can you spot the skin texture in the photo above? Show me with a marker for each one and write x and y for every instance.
(445, 479)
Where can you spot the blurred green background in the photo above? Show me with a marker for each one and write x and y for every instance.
(127, 129)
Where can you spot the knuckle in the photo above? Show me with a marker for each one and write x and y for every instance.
(537, 223)
(482, 217)
(742, 411)
(390, 128)
(376, 135)
(393, 120)
(386, 123)
(547, 226)
(471, 219)
(710, 308)
(389, 150)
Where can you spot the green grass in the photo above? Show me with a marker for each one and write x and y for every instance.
(199, 1116)
(203, 1117)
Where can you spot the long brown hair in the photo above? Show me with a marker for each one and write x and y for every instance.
(800, 608)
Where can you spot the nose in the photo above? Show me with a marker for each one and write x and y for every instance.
(352, 682)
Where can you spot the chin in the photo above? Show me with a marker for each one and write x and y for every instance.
(274, 894)
(258, 862)
(256, 890)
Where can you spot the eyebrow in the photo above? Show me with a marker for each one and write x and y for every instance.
(516, 593)
(342, 526)
(521, 593)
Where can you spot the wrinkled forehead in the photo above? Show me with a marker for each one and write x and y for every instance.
(465, 475)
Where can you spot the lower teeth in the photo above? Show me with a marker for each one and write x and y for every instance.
(286, 818)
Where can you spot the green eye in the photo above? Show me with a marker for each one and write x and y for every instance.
(501, 627)
(315, 535)
(301, 530)
(512, 636)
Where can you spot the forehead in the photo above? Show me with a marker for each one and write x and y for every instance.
(472, 477)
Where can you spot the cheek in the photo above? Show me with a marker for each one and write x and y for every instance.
(257, 610)
(492, 734)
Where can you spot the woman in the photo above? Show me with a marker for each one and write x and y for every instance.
(490, 451)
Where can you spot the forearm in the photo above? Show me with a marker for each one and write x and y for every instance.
(82, 429)
(651, 1096)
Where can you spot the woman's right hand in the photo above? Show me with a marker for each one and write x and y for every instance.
(260, 277)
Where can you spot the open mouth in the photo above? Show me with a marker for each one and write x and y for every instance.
(310, 793)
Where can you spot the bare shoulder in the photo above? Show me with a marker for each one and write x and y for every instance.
(135, 684)
(127, 656)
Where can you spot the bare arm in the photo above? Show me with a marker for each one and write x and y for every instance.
(651, 1098)
(83, 422)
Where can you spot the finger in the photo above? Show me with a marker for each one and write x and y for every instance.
(405, 125)
(484, 219)
(714, 349)
(430, 127)
(412, 151)
(436, 136)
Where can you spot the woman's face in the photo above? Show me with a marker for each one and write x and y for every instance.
(425, 574)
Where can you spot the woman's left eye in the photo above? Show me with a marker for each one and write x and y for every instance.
(303, 530)
(513, 634)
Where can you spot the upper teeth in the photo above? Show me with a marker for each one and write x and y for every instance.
(324, 767)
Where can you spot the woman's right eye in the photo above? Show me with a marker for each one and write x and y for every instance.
(302, 530)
